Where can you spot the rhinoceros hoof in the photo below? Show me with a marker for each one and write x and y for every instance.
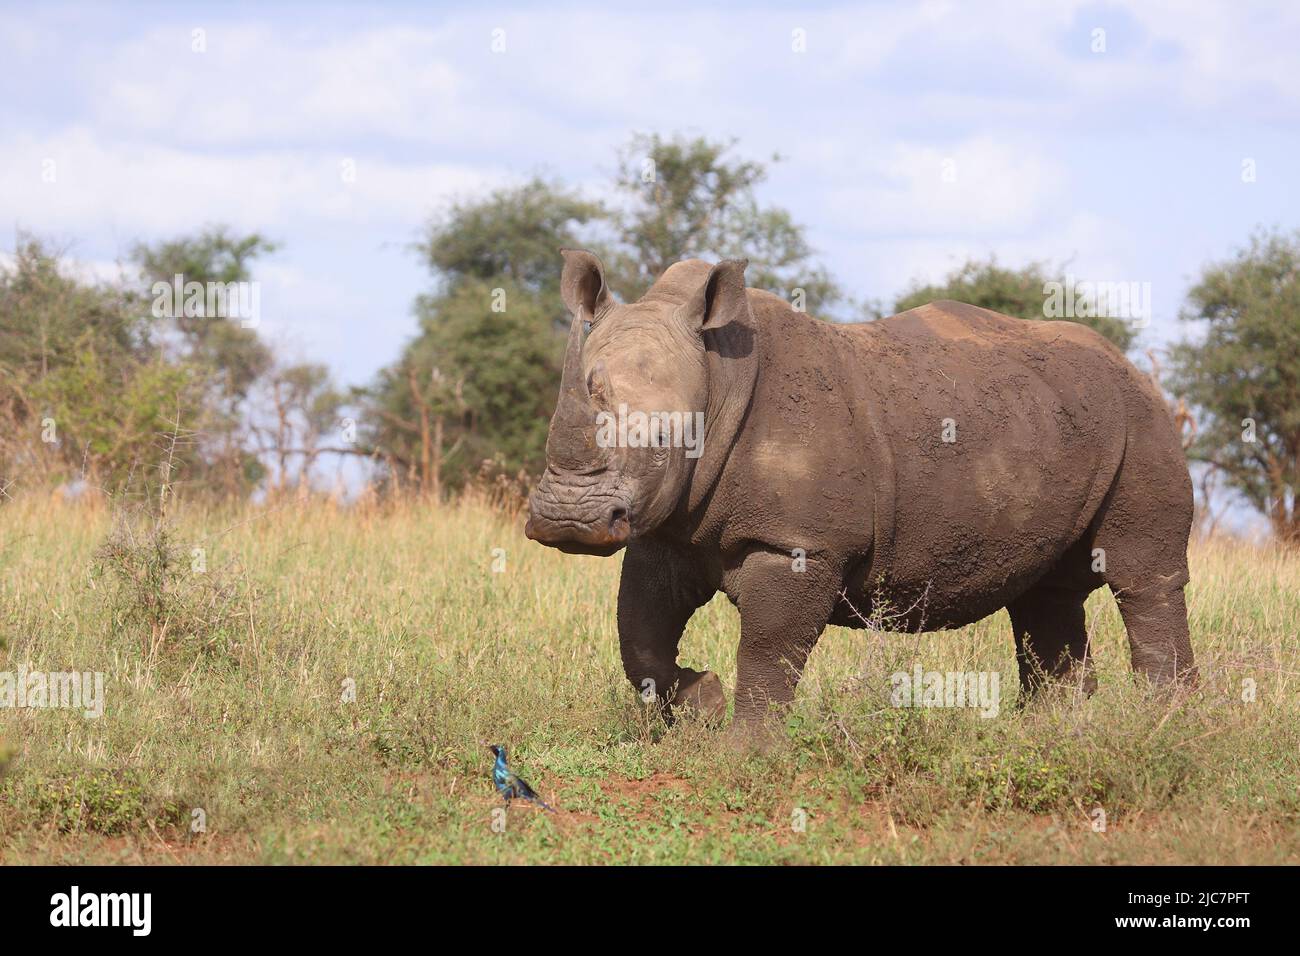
(701, 694)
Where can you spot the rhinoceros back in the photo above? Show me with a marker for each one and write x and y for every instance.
(1003, 437)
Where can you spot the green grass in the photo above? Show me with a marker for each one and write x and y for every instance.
(225, 695)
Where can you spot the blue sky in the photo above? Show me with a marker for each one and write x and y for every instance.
(1127, 163)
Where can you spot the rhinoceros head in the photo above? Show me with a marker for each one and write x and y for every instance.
(634, 410)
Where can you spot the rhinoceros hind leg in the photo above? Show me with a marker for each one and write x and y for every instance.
(1155, 617)
(1051, 638)
(1141, 539)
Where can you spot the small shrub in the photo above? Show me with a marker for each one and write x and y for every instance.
(156, 588)
(108, 802)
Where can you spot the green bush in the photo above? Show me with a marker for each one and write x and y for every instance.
(164, 592)
(94, 800)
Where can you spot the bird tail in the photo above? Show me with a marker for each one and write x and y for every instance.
(542, 803)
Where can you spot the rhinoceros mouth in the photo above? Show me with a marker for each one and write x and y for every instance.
(573, 537)
(575, 541)
(578, 517)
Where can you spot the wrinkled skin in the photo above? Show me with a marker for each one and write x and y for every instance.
(828, 441)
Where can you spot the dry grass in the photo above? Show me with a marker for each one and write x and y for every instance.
(225, 694)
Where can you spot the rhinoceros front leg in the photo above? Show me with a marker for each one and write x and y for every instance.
(659, 591)
(784, 607)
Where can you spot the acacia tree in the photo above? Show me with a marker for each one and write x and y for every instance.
(229, 357)
(1244, 375)
(84, 392)
(687, 198)
(96, 384)
(300, 411)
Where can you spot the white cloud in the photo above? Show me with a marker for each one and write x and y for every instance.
(1243, 54)
(253, 83)
(977, 187)
(162, 189)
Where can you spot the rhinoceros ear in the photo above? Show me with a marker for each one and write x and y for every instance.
(582, 284)
(721, 299)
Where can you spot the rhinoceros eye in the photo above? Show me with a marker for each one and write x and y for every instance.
(595, 388)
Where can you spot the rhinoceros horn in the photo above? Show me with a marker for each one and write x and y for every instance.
(571, 440)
